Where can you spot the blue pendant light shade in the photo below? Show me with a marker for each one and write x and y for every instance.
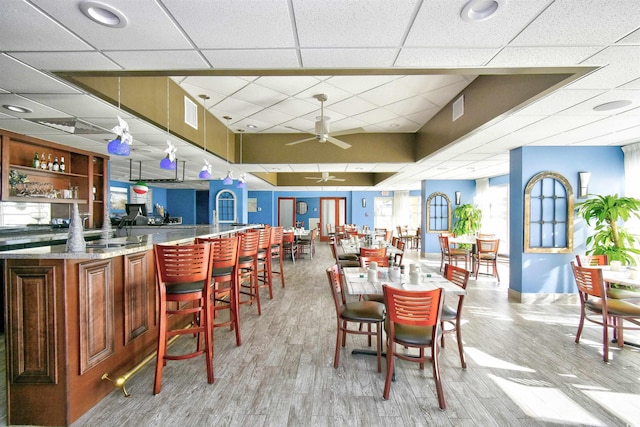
(121, 144)
(168, 164)
(118, 147)
(242, 181)
(205, 173)
(228, 180)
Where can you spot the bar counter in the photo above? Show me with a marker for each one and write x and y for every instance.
(72, 317)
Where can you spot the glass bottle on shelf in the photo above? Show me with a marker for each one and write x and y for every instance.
(36, 161)
(62, 165)
(50, 163)
(56, 165)
(43, 162)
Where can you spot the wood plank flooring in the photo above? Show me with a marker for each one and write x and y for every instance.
(524, 369)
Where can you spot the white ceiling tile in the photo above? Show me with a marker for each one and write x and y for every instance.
(141, 15)
(24, 79)
(438, 23)
(352, 106)
(291, 85)
(224, 85)
(333, 93)
(589, 22)
(271, 116)
(158, 60)
(253, 58)
(358, 84)
(296, 107)
(255, 23)
(621, 64)
(444, 57)
(68, 61)
(411, 106)
(232, 106)
(443, 95)
(376, 116)
(586, 108)
(77, 105)
(348, 58)
(259, 95)
(431, 82)
(347, 123)
(387, 94)
(542, 56)
(332, 23)
(38, 109)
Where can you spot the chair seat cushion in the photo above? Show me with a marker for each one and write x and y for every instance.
(348, 263)
(458, 252)
(245, 259)
(448, 313)
(363, 311)
(374, 297)
(220, 272)
(411, 335)
(350, 257)
(185, 288)
(617, 293)
(617, 307)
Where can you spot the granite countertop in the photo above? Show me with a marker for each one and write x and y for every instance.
(112, 247)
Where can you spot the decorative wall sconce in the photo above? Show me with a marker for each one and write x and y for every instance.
(583, 184)
(458, 198)
(364, 202)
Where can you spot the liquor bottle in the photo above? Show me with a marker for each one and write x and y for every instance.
(36, 161)
(62, 165)
(56, 165)
(50, 163)
(43, 163)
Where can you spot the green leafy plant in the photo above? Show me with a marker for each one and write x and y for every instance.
(608, 214)
(468, 220)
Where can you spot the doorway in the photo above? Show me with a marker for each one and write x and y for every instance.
(333, 210)
(286, 212)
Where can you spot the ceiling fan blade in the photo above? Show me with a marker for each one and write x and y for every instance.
(312, 177)
(300, 140)
(348, 131)
(337, 179)
(339, 143)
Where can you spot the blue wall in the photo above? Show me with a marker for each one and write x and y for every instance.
(467, 189)
(548, 272)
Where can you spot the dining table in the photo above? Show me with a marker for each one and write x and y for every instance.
(349, 247)
(622, 276)
(466, 239)
(356, 283)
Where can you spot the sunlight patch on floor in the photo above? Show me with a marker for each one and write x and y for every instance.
(546, 403)
(625, 406)
(487, 361)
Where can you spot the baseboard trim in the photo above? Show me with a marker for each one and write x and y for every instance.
(540, 298)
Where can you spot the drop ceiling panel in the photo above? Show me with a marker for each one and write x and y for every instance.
(353, 106)
(23, 79)
(558, 101)
(358, 84)
(622, 65)
(141, 16)
(441, 57)
(296, 107)
(380, 23)
(38, 110)
(291, 85)
(256, 23)
(68, 61)
(252, 58)
(348, 58)
(158, 60)
(542, 56)
(77, 105)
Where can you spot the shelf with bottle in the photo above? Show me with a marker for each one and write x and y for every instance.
(40, 172)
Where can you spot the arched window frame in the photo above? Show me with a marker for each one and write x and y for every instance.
(558, 216)
(434, 197)
(226, 203)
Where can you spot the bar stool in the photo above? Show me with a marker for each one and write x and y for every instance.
(224, 280)
(184, 275)
(264, 261)
(277, 252)
(247, 268)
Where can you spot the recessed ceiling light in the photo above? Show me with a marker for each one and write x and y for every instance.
(613, 105)
(480, 10)
(394, 125)
(252, 126)
(17, 108)
(103, 14)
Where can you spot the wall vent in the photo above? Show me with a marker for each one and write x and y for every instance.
(190, 113)
(458, 108)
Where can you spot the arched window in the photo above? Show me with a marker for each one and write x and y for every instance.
(438, 213)
(548, 214)
(226, 206)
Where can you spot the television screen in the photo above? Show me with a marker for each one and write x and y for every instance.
(133, 208)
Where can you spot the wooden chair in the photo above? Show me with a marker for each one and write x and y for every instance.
(398, 257)
(591, 260)
(367, 312)
(450, 254)
(330, 230)
(247, 269)
(487, 254)
(388, 235)
(290, 246)
(598, 308)
(307, 244)
(382, 252)
(265, 270)
(381, 260)
(453, 314)
(417, 240)
(344, 260)
(224, 281)
(184, 276)
(413, 320)
(277, 252)
(340, 232)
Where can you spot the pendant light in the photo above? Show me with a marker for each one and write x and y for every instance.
(205, 173)
(242, 181)
(121, 144)
(169, 162)
(228, 180)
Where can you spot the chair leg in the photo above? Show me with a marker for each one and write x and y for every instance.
(162, 346)
(390, 362)
(463, 363)
(336, 356)
(379, 345)
(580, 325)
(436, 376)
(605, 339)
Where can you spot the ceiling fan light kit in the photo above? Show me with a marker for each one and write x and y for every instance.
(325, 178)
(322, 128)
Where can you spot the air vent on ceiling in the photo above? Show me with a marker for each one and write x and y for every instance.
(71, 125)
(190, 113)
(458, 108)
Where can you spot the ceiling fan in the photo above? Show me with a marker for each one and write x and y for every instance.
(325, 177)
(322, 128)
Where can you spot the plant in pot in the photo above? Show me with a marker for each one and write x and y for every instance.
(608, 214)
(468, 220)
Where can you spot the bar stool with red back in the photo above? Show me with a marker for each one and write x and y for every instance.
(265, 277)
(183, 275)
(224, 281)
(247, 268)
(277, 253)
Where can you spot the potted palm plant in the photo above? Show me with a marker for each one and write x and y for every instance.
(608, 214)
(468, 220)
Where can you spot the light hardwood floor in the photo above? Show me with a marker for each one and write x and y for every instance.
(524, 369)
